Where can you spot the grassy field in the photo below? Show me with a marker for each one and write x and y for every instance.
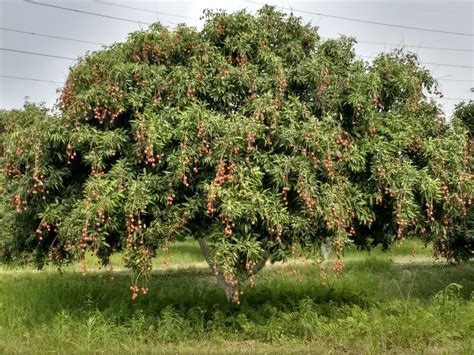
(381, 304)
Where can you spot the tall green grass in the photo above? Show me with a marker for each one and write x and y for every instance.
(376, 306)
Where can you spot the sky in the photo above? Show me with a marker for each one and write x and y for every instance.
(450, 56)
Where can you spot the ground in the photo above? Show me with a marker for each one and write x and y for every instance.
(382, 303)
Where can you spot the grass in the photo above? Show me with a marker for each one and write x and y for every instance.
(380, 304)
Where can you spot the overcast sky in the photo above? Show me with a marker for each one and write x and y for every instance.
(456, 76)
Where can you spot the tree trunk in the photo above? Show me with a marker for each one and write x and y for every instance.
(229, 290)
(326, 250)
(261, 263)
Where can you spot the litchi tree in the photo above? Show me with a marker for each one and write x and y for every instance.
(33, 176)
(253, 136)
(465, 113)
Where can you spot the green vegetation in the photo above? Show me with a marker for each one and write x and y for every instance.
(465, 112)
(249, 141)
(376, 306)
(252, 135)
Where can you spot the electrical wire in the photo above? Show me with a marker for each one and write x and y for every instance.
(146, 10)
(368, 21)
(461, 80)
(86, 12)
(431, 63)
(455, 98)
(190, 18)
(420, 47)
(51, 36)
(30, 79)
(35, 53)
(448, 65)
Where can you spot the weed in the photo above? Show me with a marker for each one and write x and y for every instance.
(376, 306)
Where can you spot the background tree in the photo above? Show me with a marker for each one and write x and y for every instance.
(465, 112)
(32, 162)
(254, 136)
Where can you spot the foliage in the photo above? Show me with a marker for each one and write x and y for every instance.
(465, 112)
(252, 135)
(32, 162)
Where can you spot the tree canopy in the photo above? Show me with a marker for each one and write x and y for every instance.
(253, 136)
(465, 113)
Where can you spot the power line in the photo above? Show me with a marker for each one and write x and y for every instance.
(30, 79)
(448, 65)
(398, 45)
(146, 10)
(369, 22)
(431, 63)
(87, 12)
(421, 47)
(185, 17)
(462, 80)
(35, 53)
(454, 98)
(103, 44)
(51, 36)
